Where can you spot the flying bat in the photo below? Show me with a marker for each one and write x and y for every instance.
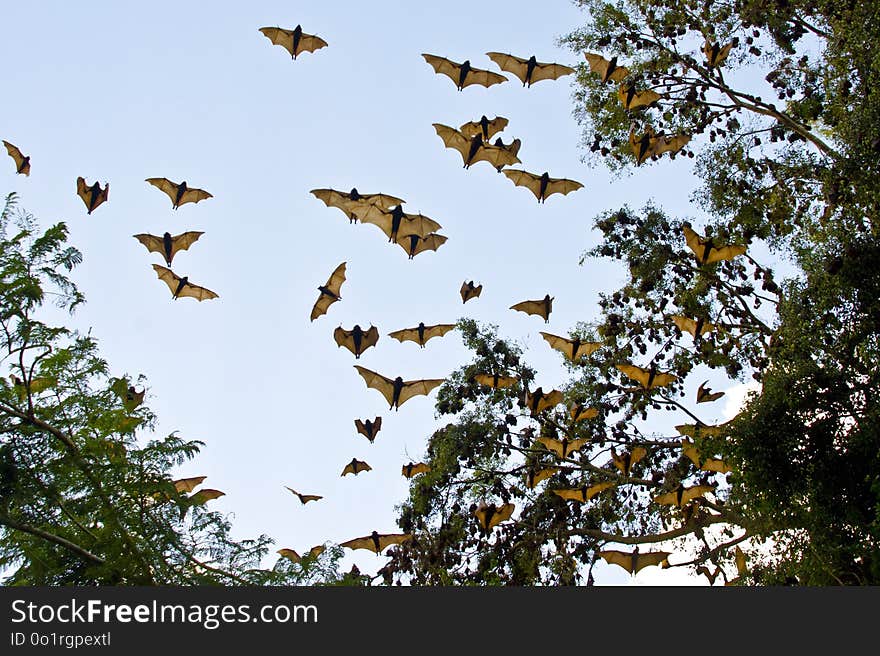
(706, 464)
(413, 468)
(513, 148)
(413, 244)
(584, 493)
(305, 498)
(463, 75)
(682, 495)
(357, 340)
(182, 485)
(369, 428)
(397, 391)
(376, 542)
(542, 308)
(633, 99)
(696, 327)
(533, 477)
(635, 561)
(355, 467)
(706, 251)
(538, 401)
(347, 201)
(650, 144)
(179, 193)
(490, 515)
(706, 395)
(469, 291)
(606, 68)
(474, 149)
(484, 127)
(647, 378)
(396, 223)
(330, 292)
(579, 412)
(22, 163)
(181, 287)
(290, 554)
(92, 195)
(541, 185)
(199, 498)
(495, 381)
(167, 245)
(529, 70)
(625, 461)
(573, 349)
(716, 54)
(295, 41)
(564, 447)
(422, 333)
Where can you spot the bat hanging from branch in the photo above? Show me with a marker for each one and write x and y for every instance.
(376, 542)
(564, 447)
(396, 223)
(355, 467)
(607, 69)
(129, 396)
(351, 200)
(413, 244)
(495, 381)
(529, 70)
(469, 291)
(414, 468)
(541, 185)
(330, 292)
(573, 349)
(474, 149)
(634, 562)
(397, 391)
(304, 498)
(689, 450)
(653, 145)
(22, 162)
(368, 428)
(647, 378)
(92, 195)
(696, 327)
(489, 515)
(484, 127)
(542, 308)
(706, 251)
(422, 333)
(179, 193)
(167, 245)
(357, 340)
(463, 75)
(181, 287)
(295, 41)
(580, 413)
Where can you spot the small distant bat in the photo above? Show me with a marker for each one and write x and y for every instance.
(181, 287)
(716, 54)
(633, 99)
(179, 193)
(347, 201)
(626, 460)
(355, 467)
(474, 149)
(92, 195)
(469, 291)
(606, 68)
(541, 185)
(305, 498)
(357, 340)
(538, 401)
(647, 378)
(129, 396)
(295, 41)
(397, 391)
(573, 349)
(376, 542)
(167, 245)
(739, 558)
(542, 308)
(580, 413)
(413, 244)
(696, 327)
(330, 292)
(533, 477)
(463, 75)
(484, 127)
(584, 493)
(490, 515)
(706, 251)
(634, 562)
(22, 163)
(682, 495)
(529, 70)
(564, 447)
(422, 333)
(396, 223)
(706, 395)
(689, 450)
(414, 468)
(368, 428)
(290, 554)
(495, 381)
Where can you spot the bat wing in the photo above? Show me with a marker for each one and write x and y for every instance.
(188, 484)
(82, 190)
(725, 253)
(494, 126)
(438, 331)
(370, 338)
(550, 400)
(443, 66)
(194, 196)
(525, 179)
(413, 388)
(696, 243)
(593, 490)
(496, 156)
(344, 338)
(454, 139)
(165, 185)
(548, 71)
(482, 77)
(552, 444)
(310, 43)
(429, 242)
(418, 468)
(407, 334)
(652, 558)
(197, 292)
(153, 243)
(716, 56)
(321, 305)
(167, 276)
(510, 63)
(204, 495)
(393, 538)
(598, 64)
(561, 186)
(636, 99)
(706, 395)
(417, 224)
(467, 293)
(316, 551)
(489, 380)
(289, 554)
(621, 558)
(533, 478)
(580, 413)
(573, 494)
(279, 37)
(22, 165)
(530, 307)
(365, 542)
(181, 242)
(671, 144)
(378, 382)
(643, 376)
(695, 492)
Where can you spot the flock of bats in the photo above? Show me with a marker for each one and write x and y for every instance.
(416, 233)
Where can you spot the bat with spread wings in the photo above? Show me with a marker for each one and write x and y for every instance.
(397, 391)
(529, 70)
(484, 127)
(633, 99)
(304, 498)
(469, 291)
(290, 554)
(22, 162)
(626, 460)
(463, 75)
(716, 54)
(330, 292)
(606, 68)
(699, 430)
(535, 476)
(538, 401)
(422, 333)
(634, 562)
(129, 396)
(199, 498)
(357, 340)
(584, 493)
(689, 450)
(706, 395)
(573, 349)
(681, 495)
(167, 245)
(564, 447)
(647, 378)
(579, 412)
(92, 195)
(490, 515)
(513, 148)
(179, 193)
(355, 467)
(295, 41)
(413, 244)
(368, 428)
(706, 251)
(542, 308)
(347, 201)
(413, 468)
(376, 542)
(181, 286)
(495, 381)
(396, 223)
(474, 149)
(650, 144)
(542, 185)
(696, 327)
(182, 485)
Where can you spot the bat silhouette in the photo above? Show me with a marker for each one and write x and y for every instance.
(584, 493)
(706, 395)
(474, 149)
(706, 251)
(606, 68)
(179, 193)
(468, 291)
(513, 148)
(396, 223)
(564, 447)
(489, 515)
(463, 75)
(376, 542)
(495, 381)
(529, 70)
(484, 127)
(682, 495)
(305, 498)
(542, 308)
(397, 391)
(573, 349)
(651, 145)
(369, 428)
(414, 468)
(716, 54)
(422, 333)
(625, 461)
(580, 413)
(634, 562)
(167, 245)
(92, 195)
(541, 185)
(355, 467)
(348, 201)
(633, 99)
(706, 464)
(413, 244)
(696, 327)
(647, 378)
(330, 292)
(538, 401)
(290, 554)
(295, 41)
(533, 477)
(181, 287)
(22, 163)
(357, 340)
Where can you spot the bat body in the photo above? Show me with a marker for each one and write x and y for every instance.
(533, 477)
(22, 162)
(473, 149)
(469, 291)
(413, 468)
(179, 193)
(633, 99)
(295, 41)
(542, 308)
(635, 561)
(355, 467)
(484, 127)
(396, 223)
(584, 493)
(542, 185)
(696, 327)
(413, 244)
(376, 542)
(490, 515)
(625, 461)
(580, 413)
(573, 349)
(92, 195)
(716, 54)
(647, 378)
(368, 428)
(682, 495)
(650, 145)
(181, 287)
(422, 333)
(330, 292)
(606, 68)
(357, 340)
(538, 401)
(348, 201)
(706, 395)
(564, 447)
(495, 381)
(305, 498)
(397, 391)
(706, 464)
(706, 251)
(167, 245)
(529, 70)
(463, 75)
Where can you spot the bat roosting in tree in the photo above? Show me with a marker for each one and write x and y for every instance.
(542, 308)
(681, 495)
(529, 70)
(541, 185)
(355, 467)
(634, 562)
(469, 291)
(564, 447)
(368, 428)
(533, 477)
(376, 542)
(413, 468)
(347, 201)
(182, 286)
(422, 333)
(706, 251)
(92, 195)
(579, 412)
(129, 396)
(179, 193)
(606, 68)
(305, 498)
(356, 340)
(463, 75)
(647, 378)
(490, 515)
(397, 391)
(573, 349)
(484, 127)
(22, 163)
(396, 223)
(495, 381)
(167, 245)
(696, 327)
(413, 244)
(474, 149)
(706, 464)
(330, 292)
(295, 41)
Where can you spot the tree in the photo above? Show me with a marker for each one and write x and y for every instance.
(778, 106)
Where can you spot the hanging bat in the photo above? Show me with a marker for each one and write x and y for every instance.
(355, 467)
(573, 349)
(580, 413)
(584, 493)
(635, 561)
(682, 495)
(606, 68)
(22, 163)
(706, 395)
(474, 149)
(706, 251)
(347, 201)
(369, 428)
(305, 498)
(179, 193)
(541, 185)
(422, 333)
(529, 70)
(181, 287)
(397, 391)
(689, 450)
(489, 515)
(93, 195)
(513, 148)
(633, 99)
(295, 41)
(564, 447)
(484, 127)
(538, 401)
(625, 461)
(330, 292)
(647, 378)
(696, 327)
(376, 542)
(542, 308)
(187, 484)
(290, 554)
(468, 291)
(716, 55)
(413, 244)
(357, 340)
(396, 223)
(167, 245)
(463, 74)
(495, 381)
(415, 468)
(534, 477)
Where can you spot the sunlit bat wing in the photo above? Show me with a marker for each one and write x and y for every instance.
(474, 149)
(330, 292)
(683, 495)
(580, 413)
(634, 561)
(706, 464)
(304, 498)
(564, 447)
(22, 162)
(204, 495)
(706, 252)
(295, 41)
(538, 401)
(632, 99)
(179, 193)
(413, 388)
(355, 467)
(573, 349)
(376, 542)
(542, 185)
(647, 378)
(490, 515)
(187, 484)
(368, 428)
(377, 381)
(396, 223)
(706, 395)
(181, 287)
(716, 55)
(356, 340)
(529, 70)
(606, 68)
(454, 70)
(495, 381)
(542, 308)
(625, 461)
(584, 494)
(696, 327)
(317, 550)
(167, 245)
(534, 477)
(290, 554)
(92, 195)
(422, 333)
(348, 202)
(469, 291)
(485, 127)
(414, 244)
(414, 468)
